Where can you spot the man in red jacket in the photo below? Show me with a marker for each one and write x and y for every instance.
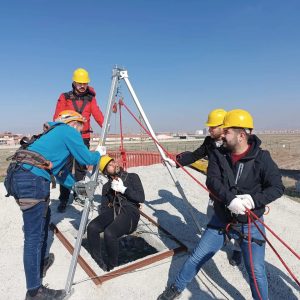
(81, 99)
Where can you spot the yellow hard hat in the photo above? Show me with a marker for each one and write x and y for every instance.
(104, 161)
(238, 118)
(215, 117)
(67, 116)
(81, 76)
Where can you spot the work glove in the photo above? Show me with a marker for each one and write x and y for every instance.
(171, 162)
(118, 185)
(236, 206)
(247, 201)
(101, 150)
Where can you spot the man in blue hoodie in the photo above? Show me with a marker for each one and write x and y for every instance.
(28, 181)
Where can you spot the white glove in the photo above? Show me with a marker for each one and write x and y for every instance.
(101, 150)
(118, 185)
(171, 162)
(247, 201)
(236, 206)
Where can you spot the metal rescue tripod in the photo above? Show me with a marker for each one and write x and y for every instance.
(86, 190)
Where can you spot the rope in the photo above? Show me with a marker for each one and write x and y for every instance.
(251, 258)
(122, 150)
(275, 251)
(266, 226)
(121, 126)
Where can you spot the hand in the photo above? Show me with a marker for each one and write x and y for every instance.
(101, 150)
(236, 206)
(118, 185)
(247, 201)
(171, 162)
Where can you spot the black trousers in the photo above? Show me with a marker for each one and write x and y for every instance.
(125, 223)
(80, 172)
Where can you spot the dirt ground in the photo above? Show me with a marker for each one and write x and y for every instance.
(285, 150)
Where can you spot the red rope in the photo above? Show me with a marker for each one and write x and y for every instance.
(204, 187)
(251, 258)
(121, 126)
(280, 258)
(265, 225)
(168, 154)
(122, 150)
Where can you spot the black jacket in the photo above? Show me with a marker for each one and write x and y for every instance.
(133, 195)
(259, 176)
(187, 158)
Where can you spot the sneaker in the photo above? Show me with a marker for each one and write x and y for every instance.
(169, 293)
(61, 208)
(44, 293)
(48, 262)
(236, 258)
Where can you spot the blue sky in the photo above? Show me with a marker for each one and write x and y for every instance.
(184, 58)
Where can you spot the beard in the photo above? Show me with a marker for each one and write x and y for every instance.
(226, 145)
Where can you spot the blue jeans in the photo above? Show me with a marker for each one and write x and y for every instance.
(35, 242)
(26, 185)
(211, 242)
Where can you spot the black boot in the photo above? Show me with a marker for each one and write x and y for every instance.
(47, 263)
(44, 293)
(63, 198)
(236, 258)
(169, 293)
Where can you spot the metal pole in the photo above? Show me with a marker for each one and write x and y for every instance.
(124, 76)
(77, 247)
(90, 186)
(113, 89)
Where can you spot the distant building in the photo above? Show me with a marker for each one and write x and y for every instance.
(199, 132)
(8, 138)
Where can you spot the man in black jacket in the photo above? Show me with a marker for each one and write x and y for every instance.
(119, 212)
(212, 142)
(245, 178)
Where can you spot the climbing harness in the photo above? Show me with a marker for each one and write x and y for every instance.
(32, 158)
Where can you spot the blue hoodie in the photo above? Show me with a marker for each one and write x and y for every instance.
(56, 146)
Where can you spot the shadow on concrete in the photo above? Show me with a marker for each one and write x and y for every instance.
(187, 228)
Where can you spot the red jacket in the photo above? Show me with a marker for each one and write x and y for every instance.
(74, 102)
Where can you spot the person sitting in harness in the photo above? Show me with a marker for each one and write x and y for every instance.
(119, 212)
(241, 179)
(28, 179)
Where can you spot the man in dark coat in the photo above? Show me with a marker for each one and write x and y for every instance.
(245, 178)
(119, 212)
(212, 142)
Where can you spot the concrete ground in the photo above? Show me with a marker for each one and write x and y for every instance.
(217, 279)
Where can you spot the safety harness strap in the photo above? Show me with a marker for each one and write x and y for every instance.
(234, 228)
(32, 158)
(86, 99)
